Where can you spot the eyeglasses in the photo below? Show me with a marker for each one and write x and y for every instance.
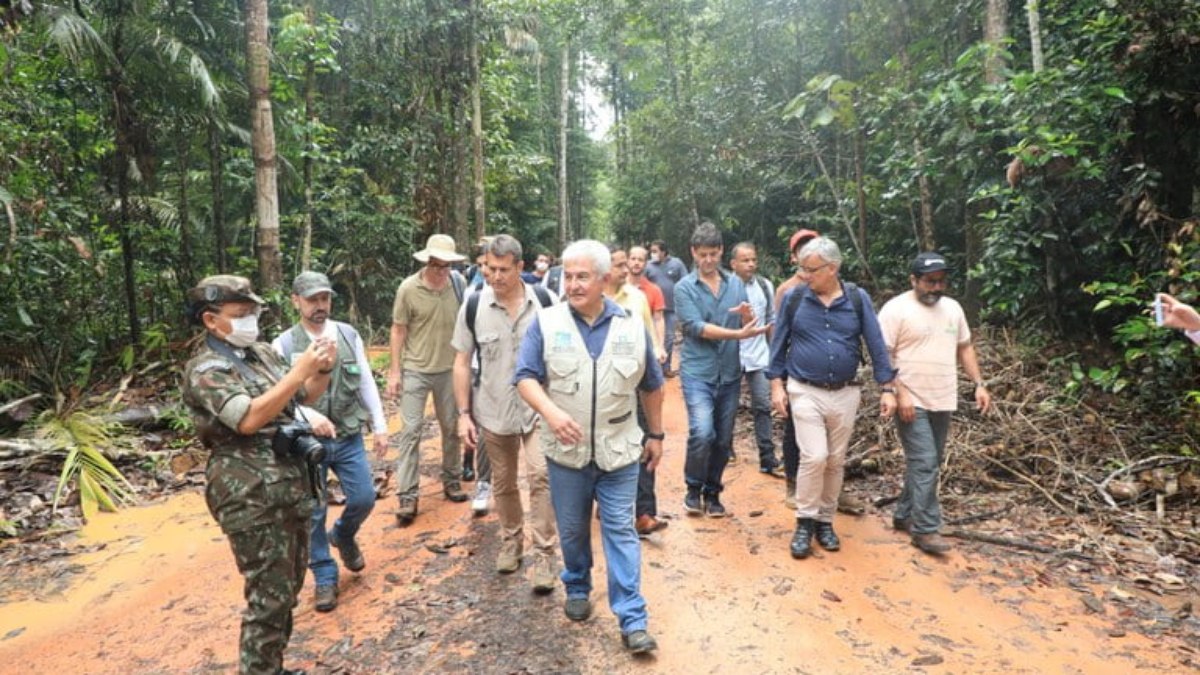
(813, 270)
(437, 265)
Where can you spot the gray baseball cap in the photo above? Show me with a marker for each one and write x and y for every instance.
(308, 284)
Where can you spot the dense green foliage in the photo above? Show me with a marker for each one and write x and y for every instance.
(888, 125)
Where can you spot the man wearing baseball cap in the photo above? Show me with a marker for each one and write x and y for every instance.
(422, 360)
(349, 404)
(927, 338)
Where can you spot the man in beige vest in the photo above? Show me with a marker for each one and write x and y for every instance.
(582, 366)
(422, 324)
(492, 324)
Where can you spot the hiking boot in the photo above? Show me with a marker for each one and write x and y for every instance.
(789, 499)
(544, 574)
(454, 492)
(931, 543)
(638, 642)
(849, 504)
(468, 472)
(713, 507)
(775, 471)
(509, 559)
(482, 498)
(802, 539)
(900, 524)
(578, 609)
(826, 537)
(691, 502)
(348, 551)
(408, 510)
(326, 598)
(647, 524)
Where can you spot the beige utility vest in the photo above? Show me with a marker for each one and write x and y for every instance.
(600, 394)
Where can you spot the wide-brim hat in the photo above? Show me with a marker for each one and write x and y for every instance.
(440, 246)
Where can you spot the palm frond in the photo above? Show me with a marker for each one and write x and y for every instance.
(176, 51)
(77, 38)
(83, 436)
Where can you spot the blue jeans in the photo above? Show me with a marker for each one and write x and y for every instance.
(710, 410)
(572, 492)
(760, 407)
(347, 456)
(924, 442)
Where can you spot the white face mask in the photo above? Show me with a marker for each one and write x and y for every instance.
(542, 265)
(244, 331)
(654, 257)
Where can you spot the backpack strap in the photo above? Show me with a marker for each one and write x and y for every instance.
(543, 295)
(459, 284)
(762, 284)
(472, 312)
(852, 290)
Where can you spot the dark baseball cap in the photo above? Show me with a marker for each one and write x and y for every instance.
(308, 284)
(802, 237)
(926, 263)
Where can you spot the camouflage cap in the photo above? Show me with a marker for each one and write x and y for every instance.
(308, 284)
(218, 290)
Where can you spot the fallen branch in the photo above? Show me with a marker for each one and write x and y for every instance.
(980, 516)
(1015, 543)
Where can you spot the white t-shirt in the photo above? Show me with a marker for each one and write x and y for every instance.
(923, 342)
(755, 352)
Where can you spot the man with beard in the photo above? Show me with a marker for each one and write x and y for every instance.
(927, 337)
(350, 402)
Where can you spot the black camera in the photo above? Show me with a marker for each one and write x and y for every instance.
(297, 440)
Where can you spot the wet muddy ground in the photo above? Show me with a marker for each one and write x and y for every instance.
(157, 592)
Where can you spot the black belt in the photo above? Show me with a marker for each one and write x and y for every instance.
(831, 386)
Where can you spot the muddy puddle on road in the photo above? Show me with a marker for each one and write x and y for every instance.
(163, 596)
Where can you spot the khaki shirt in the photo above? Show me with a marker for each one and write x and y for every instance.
(429, 316)
(497, 407)
(923, 342)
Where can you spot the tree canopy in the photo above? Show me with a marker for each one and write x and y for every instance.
(1049, 148)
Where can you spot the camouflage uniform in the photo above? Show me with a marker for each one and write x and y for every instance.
(262, 503)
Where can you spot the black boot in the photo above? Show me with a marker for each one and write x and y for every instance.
(802, 539)
(827, 538)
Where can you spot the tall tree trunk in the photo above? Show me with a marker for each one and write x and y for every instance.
(125, 152)
(477, 130)
(925, 238)
(564, 108)
(216, 167)
(310, 115)
(860, 152)
(1035, 34)
(262, 140)
(995, 30)
(186, 275)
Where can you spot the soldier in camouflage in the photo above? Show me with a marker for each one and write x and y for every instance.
(239, 392)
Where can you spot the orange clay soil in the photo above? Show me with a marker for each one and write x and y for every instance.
(163, 596)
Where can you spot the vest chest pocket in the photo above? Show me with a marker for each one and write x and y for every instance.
(626, 378)
(563, 376)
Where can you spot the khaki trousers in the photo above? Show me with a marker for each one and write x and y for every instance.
(504, 451)
(824, 421)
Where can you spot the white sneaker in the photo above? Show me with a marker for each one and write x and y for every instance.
(483, 495)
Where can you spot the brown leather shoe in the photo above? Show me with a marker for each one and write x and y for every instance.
(407, 511)
(326, 598)
(931, 543)
(647, 524)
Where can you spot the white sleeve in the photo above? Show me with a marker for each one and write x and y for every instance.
(368, 391)
(1193, 335)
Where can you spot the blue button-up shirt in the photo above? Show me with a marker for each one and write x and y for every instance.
(531, 362)
(821, 344)
(711, 361)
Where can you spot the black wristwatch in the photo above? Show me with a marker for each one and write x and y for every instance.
(655, 437)
(887, 390)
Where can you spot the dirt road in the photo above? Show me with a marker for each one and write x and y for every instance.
(163, 596)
